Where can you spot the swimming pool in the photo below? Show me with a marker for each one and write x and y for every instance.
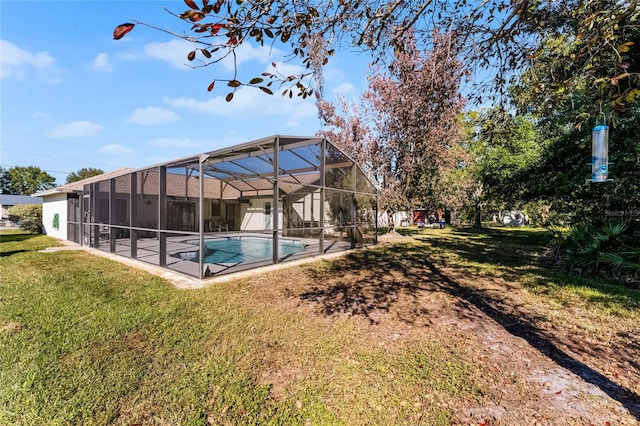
(241, 249)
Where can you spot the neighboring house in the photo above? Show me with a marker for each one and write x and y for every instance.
(7, 201)
(399, 219)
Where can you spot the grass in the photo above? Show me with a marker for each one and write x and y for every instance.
(517, 254)
(85, 340)
(14, 241)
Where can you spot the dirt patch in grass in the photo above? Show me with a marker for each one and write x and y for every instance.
(538, 357)
(11, 327)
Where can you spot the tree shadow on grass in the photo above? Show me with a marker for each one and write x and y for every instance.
(10, 253)
(370, 283)
(21, 236)
(516, 252)
(9, 249)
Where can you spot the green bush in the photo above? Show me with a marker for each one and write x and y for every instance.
(542, 213)
(27, 216)
(611, 247)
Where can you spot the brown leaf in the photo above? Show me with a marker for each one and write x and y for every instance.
(266, 90)
(122, 30)
(192, 55)
(234, 83)
(192, 4)
(229, 97)
(256, 80)
(196, 16)
(215, 28)
(206, 53)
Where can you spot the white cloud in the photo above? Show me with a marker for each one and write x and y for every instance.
(127, 56)
(344, 89)
(246, 52)
(286, 69)
(176, 143)
(116, 149)
(210, 106)
(39, 114)
(14, 62)
(174, 51)
(76, 129)
(102, 62)
(150, 116)
(251, 103)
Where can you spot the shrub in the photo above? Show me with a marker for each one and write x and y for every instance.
(27, 216)
(611, 247)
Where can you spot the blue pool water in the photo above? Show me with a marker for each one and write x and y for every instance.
(242, 249)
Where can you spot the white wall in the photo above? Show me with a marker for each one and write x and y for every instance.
(399, 219)
(52, 204)
(253, 217)
(308, 207)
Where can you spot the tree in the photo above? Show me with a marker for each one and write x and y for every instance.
(418, 104)
(27, 216)
(565, 119)
(505, 35)
(83, 173)
(19, 180)
(4, 181)
(504, 147)
(406, 129)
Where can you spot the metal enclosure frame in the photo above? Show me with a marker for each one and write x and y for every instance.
(168, 214)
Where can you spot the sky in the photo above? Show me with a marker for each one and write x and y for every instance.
(72, 97)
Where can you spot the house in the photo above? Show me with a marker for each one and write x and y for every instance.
(59, 203)
(7, 201)
(267, 201)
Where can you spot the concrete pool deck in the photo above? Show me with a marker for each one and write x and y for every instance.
(182, 281)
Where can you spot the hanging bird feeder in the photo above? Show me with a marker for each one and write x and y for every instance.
(600, 151)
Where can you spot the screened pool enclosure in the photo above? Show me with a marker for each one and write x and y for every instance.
(268, 201)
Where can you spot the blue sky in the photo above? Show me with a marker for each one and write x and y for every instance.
(72, 97)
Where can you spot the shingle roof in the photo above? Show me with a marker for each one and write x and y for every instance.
(12, 200)
(78, 185)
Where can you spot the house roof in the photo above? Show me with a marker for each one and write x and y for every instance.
(78, 185)
(12, 200)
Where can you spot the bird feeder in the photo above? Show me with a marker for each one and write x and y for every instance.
(600, 151)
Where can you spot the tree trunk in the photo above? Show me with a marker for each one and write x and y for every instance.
(392, 225)
(477, 223)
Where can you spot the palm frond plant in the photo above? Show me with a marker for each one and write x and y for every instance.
(611, 248)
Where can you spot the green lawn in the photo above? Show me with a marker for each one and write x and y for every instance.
(85, 340)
